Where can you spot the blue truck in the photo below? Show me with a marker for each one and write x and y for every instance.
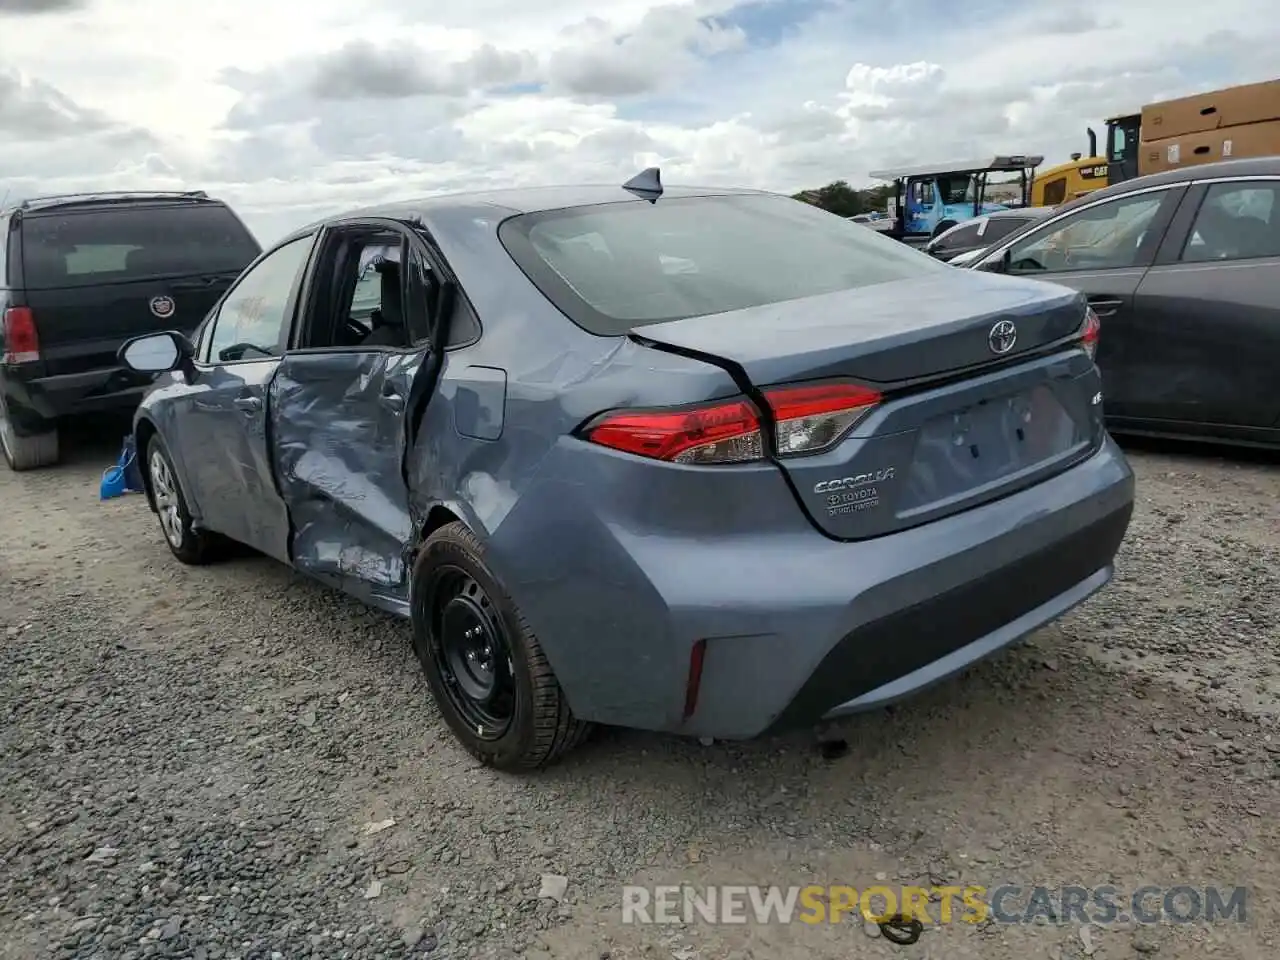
(933, 198)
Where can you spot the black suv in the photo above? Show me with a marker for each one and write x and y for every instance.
(82, 273)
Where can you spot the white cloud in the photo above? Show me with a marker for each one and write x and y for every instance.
(292, 111)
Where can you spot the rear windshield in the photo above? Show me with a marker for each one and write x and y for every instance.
(611, 267)
(113, 244)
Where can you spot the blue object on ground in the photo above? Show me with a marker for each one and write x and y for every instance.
(124, 477)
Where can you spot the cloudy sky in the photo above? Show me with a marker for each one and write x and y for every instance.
(292, 110)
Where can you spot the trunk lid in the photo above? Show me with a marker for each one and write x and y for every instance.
(888, 333)
(961, 423)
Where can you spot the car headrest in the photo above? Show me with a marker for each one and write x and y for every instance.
(392, 310)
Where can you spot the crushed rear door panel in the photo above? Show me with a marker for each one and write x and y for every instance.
(339, 439)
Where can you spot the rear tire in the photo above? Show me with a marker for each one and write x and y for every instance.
(191, 546)
(27, 453)
(486, 669)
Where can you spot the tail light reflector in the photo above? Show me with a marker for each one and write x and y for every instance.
(21, 343)
(808, 418)
(812, 418)
(1089, 332)
(694, 684)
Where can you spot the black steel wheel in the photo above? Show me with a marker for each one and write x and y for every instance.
(486, 669)
(471, 651)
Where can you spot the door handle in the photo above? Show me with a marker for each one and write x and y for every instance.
(1105, 307)
(248, 404)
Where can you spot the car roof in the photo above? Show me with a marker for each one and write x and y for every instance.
(1015, 212)
(1012, 213)
(102, 199)
(1249, 167)
(517, 200)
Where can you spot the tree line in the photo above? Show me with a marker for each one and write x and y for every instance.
(846, 201)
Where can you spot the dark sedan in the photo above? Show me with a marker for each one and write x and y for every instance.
(979, 234)
(1183, 269)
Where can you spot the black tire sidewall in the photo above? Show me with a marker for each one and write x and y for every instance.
(4, 416)
(11, 461)
(450, 546)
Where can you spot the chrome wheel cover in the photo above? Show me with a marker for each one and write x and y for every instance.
(165, 489)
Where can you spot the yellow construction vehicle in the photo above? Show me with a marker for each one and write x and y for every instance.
(1235, 122)
(1076, 177)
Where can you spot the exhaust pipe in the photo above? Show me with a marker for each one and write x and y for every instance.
(1093, 142)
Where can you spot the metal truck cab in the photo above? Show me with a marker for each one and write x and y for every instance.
(933, 198)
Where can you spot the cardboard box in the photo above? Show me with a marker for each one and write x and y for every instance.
(1229, 143)
(1250, 103)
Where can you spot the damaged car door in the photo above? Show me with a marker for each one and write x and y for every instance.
(223, 439)
(339, 404)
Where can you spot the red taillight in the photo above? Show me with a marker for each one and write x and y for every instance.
(21, 343)
(719, 433)
(808, 418)
(1090, 331)
(812, 418)
(694, 682)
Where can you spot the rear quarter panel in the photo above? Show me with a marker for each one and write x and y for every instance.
(493, 448)
(503, 402)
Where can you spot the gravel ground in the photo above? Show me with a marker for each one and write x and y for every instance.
(235, 763)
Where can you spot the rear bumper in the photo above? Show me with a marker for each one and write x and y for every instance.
(796, 626)
(33, 401)
(898, 655)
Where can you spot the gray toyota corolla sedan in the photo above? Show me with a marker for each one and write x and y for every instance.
(710, 462)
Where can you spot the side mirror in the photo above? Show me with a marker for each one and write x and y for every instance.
(156, 352)
(1000, 265)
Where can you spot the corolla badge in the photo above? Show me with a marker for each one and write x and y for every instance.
(854, 494)
(163, 307)
(1002, 337)
(855, 481)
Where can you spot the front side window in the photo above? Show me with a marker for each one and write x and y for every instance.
(251, 320)
(611, 267)
(958, 189)
(1236, 221)
(1107, 236)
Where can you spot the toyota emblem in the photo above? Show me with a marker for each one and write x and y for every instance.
(162, 307)
(1002, 337)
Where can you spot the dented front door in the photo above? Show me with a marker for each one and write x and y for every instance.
(338, 422)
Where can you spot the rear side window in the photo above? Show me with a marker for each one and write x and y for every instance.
(611, 267)
(111, 244)
(961, 236)
(1239, 220)
(1000, 227)
(4, 250)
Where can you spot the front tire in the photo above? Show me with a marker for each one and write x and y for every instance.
(486, 669)
(27, 453)
(191, 546)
